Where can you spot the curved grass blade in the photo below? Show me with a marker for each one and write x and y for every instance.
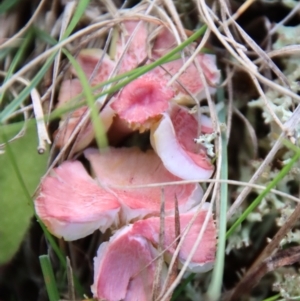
(17, 58)
(275, 181)
(273, 298)
(9, 109)
(7, 5)
(215, 287)
(82, 5)
(97, 124)
(49, 278)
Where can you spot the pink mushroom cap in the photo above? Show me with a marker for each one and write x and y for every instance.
(91, 58)
(173, 140)
(189, 82)
(136, 52)
(164, 42)
(119, 168)
(68, 90)
(129, 256)
(203, 259)
(72, 205)
(189, 86)
(124, 268)
(143, 100)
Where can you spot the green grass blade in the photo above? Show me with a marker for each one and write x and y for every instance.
(5, 52)
(182, 286)
(215, 287)
(273, 298)
(275, 181)
(9, 109)
(81, 7)
(7, 5)
(97, 124)
(49, 278)
(17, 58)
(44, 36)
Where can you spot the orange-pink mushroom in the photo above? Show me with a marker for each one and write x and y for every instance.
(119, 168)
(68, 90)
(130, 255)
(72, 205)
(189, 85)
(173, 140)
(203, 259)
(136, 35)
(124, 268)
(142, 101)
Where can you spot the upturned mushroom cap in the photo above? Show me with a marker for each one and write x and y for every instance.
(123, 167)
(136, 52)
(91, 58)
(173, 140)
(72, 205)
(189, 86)
(141, 102)
(124, 268)
(68, 90)
(189, 82)
(130, 254)
(204, 257)
(164, 42)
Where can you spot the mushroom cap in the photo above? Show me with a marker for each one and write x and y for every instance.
(164, 42)
(88, 60)
(118, 168)
(136, 52)
(189, 83)
(143, 101)
(173, 140)
(189, 86)
(68, 90)
(124, 268)
(203, 259)
(129, 255)
(72, 205)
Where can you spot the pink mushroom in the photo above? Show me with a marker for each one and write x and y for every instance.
(68, 90)
(97, 66)
(173, 140)
(130, 255)
(164, 42)
(189, 82)
(136, 52)
(204, 257)
(72, 205)
(124, 268)
(116, 169)
(91, 58)
(142, 101)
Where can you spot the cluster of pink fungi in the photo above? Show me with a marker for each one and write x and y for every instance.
(73, 204)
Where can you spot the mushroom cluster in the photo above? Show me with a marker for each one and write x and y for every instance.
(119, 195)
